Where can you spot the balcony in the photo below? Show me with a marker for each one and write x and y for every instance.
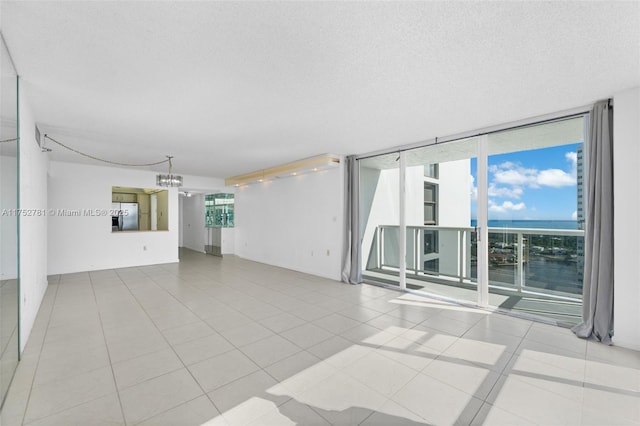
(532, 271)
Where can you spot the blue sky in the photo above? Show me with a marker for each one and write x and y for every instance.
(538, 184)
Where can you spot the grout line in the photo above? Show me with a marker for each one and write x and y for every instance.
(184, 365)
(44, 338)
(115, 383)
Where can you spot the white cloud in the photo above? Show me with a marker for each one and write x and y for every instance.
(513, 174)
(505, 206)
(516, 176)
(572, 157)
(473, 188)
(574, 215)
(555, 178)
(504, 192)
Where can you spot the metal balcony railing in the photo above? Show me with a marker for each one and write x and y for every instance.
(523, 259)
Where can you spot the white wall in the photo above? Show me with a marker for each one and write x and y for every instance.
(454, 195)
(454, 201)
(380, 192)
(194, 232)
(626, 177)
(82, 243)
(293, 223)
(33, 229)
(228, 240)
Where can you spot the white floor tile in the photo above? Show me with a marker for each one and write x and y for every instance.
(391, 324)
(367, 334)
(247, 333)
(612, 376)
(336, 323)
(341, 399)
(290, 366)
(525, 400)
(490, 415)
(222, 369)
(200, 349)
(185, 333)
(57, 396)
(380, 373)
(464, 376)
(488, 355)
(342, 356)
(505, 324)
(306, 335)
(393, 414)
(193, 413)
(157, 395)
(282, 322)
(270, 350)
(303, 350)
(103, 411)
(61, 367)
(256, 384)
(437, 402)
(290, 413)
(620, 404)
(145, 367)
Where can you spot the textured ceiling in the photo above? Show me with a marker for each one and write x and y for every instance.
(231, 87)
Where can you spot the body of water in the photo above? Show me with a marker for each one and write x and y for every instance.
(536, 224)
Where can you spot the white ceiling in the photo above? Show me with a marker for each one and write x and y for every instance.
(231, 87)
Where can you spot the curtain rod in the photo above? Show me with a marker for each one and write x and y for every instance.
(546, 118)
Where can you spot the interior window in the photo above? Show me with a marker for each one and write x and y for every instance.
(139, 209)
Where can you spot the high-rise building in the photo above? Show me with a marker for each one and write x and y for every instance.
(580, 211)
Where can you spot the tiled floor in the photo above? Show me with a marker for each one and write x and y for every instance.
(226, 341)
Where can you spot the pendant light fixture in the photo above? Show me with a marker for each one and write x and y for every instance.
(170, 179)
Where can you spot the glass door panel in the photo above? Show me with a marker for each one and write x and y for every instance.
(535, 211)
(8, 222)
(380, 217)
(440, 189)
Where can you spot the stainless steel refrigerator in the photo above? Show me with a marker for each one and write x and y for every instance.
(127, 218)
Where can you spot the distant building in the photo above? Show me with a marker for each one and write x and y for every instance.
(580, 211)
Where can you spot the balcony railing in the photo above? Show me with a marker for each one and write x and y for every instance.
(548, 261)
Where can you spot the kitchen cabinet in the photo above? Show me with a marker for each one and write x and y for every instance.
(123, 197)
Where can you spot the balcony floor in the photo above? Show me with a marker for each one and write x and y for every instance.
(547, 307)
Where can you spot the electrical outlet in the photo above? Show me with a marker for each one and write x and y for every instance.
(144, 248)
(328, 252)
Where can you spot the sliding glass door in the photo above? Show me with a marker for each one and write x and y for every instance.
(380, 218)
(441, 255)
(493, 220)
(9, 173)
(536, 219)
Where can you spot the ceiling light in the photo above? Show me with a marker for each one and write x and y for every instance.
(313, 164)
(170, 179)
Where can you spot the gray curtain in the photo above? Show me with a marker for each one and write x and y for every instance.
(351, 263)
(597, 309)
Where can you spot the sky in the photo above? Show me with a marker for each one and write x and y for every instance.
(539, 184)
